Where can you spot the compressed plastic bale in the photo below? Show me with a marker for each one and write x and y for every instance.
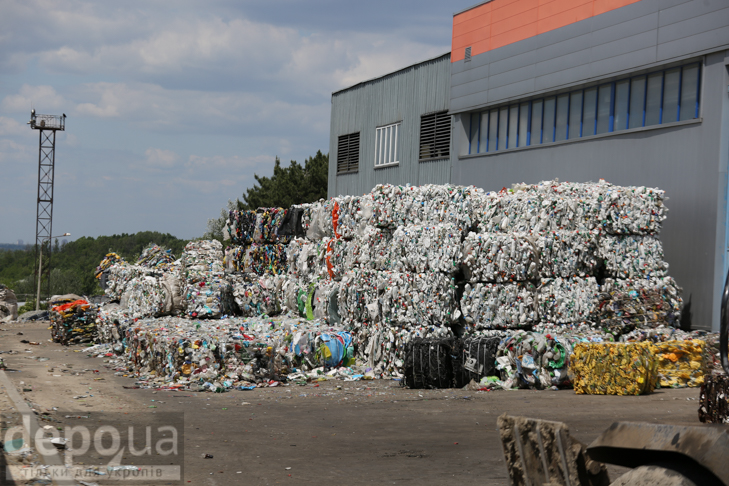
(266, 259)
(512, 212)
(320, 222)
(417, 298)
(563, 301)
(109, 260)
(235, 259)
(208, 295)
(568, 206)
(241, 225)
(120, 275)
(156, 257)
(301, 256)
(268, 222)
(714, 399)
(629, 256)
(489, 305)
(74, 323)
(613, 368)
(203, 256)
(636, 210)
(335, 349)
(681, 363)
(631, 303)
(478, 359)
(567, 253)
(430, 204)
(325, 301)
(429, 363)
(354, 214)
(533, 360)
(426, 248)
(496, 257)
(253, 295)
(145, 296)
(358, 299)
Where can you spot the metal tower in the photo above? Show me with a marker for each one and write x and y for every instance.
(47, 125)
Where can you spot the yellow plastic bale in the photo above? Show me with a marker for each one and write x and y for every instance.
(613, 368)
(681, 363)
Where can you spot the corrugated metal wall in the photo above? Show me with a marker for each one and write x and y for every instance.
(402, 96)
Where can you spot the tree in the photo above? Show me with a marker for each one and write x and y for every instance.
(289, 185)
(295, 184)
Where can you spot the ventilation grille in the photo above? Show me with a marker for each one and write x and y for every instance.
(348, 153)
(468, 55)
(435, 136)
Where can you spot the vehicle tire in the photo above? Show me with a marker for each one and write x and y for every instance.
(652, 475)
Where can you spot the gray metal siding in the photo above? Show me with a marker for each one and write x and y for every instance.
(646, 33)
(689, 162)
(402, 96)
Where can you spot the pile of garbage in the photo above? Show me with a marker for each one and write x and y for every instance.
(614, 369)
(404, 267)
(8, 304)
(73, 320)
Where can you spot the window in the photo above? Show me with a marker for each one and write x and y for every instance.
(665, 96)
(387, 145)
(435, 136)
(348, 153)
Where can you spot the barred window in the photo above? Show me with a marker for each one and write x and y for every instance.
(387, 145)
(348, 153)
(435, 136)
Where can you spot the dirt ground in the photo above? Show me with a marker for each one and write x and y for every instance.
(367, 432)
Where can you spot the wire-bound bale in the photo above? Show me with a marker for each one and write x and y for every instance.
(254, 296)
(563, 301)
(613, 368)
(497, 257)
(156, 257)
(429, 363)
(357, 300)
(493, 305)
(266, 259)
(681, 363)
(417, 298)
(629, 256)
(73, 323)
(426, 248)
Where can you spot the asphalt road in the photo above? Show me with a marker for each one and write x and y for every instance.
(368, 432)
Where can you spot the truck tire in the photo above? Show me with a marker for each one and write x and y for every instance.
(651, 475)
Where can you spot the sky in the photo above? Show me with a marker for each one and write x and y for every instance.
(173, 106)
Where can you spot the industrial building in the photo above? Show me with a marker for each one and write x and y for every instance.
(632, 91)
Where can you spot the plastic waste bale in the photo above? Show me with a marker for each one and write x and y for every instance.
(109, 260)
(208, 295)
(533, 360)
(613, 368)
(567, 253)
(478, 359)
(511, 212)
(429, 363)
(681, 363)
(493, 305)
(417, 298)
(303, 258)
(325, 301)
(628, 304)
(430, 204)
(73, 322)
(714, 399)
(268, 222)
(354, 214)
(241, 225)
(635, 210)
(156, 257)
(119, 277)
(568, 206)
(426, 248)
(357, 300)
(320, 223)
(335, 349)
(203, 256)
(145, 296)
(563, 301)
(629, 256)
(496, 257)
(8, 304)
(266, 259)
(111, 323)
(234, 259)
(254, 296)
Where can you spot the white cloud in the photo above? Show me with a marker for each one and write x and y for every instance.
(44, 99)
(164, 159)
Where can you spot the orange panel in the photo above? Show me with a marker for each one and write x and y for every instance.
(527, 18)
(576, 14)
(503, 22)
(602, 6)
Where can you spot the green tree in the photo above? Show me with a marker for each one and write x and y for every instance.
(295, 184)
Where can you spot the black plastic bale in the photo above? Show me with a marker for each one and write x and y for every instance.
(714, 399)
(429, 363)
(478, 358)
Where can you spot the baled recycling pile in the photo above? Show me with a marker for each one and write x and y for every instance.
(406, 269)
(614, 369)
(73, 320)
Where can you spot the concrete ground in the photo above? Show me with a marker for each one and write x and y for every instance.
(368, 432)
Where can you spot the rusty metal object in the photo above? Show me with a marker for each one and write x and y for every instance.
(694, 451)
(541, 452)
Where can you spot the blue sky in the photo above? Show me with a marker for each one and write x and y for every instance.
(173, 106)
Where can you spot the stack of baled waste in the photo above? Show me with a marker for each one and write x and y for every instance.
(73, 320)
(207, 291)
